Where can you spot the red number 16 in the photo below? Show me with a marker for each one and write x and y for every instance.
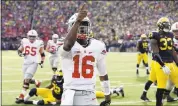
(85, 66)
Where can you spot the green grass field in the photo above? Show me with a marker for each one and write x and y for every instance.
(120, 66)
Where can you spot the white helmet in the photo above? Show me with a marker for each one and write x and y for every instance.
(85, 25)
(174, 27)
(32, 33)
(55, 36)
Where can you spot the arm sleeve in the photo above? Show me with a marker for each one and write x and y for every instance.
(101, 63)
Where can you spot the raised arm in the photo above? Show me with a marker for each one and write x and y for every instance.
(72, 34)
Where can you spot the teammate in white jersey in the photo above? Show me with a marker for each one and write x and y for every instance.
(30, 49)
(53, 47)
(81, 59)
(174, 29)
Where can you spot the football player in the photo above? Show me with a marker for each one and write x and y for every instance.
(142, 47)
(152, 79)
(52, 48)
(81, 58)
(29, 49)
(164, 55)
(51, 94)
(174, 29)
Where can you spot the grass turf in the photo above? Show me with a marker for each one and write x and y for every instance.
(121, 70)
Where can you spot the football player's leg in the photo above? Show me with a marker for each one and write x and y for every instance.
(161, 83)
(169, 87)
(174, 76)
(139, 58)
(145, 58)
(152, 78)
(32, 92)
(31, 71)
(55, 65)
(51, 60)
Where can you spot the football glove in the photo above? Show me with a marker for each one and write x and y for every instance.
(105, 103)
(166, 70)
(41, 64)
(20, 53)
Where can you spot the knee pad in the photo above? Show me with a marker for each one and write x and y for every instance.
(40, 102)
(54, 69)
(33, 92)
(26, 83)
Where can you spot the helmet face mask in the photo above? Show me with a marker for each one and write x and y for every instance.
(32, 35)
(83, 30)
(32, 38)
(164, 24)
(55, 38)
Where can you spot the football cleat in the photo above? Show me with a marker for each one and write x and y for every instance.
(20, 99)
(175, 92)
(38, 84)
(170, 99)
(144, 98)
(119, 90)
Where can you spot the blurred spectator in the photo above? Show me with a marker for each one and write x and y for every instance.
(111, 20)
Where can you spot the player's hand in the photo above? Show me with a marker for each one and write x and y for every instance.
(20, 53)
(82, 13)
(107, 101)
(166, 70)
(41, 64)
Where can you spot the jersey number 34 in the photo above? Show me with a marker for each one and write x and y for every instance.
(85, 66)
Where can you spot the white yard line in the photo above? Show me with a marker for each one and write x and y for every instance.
(130, 102)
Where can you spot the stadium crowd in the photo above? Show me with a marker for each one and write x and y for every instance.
(117, 23)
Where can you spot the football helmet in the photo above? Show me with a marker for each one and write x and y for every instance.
(143, 37)
(55, 37)
(32, 35)
(84, 28)
(163, 24)
(59, 76)
(174, 29)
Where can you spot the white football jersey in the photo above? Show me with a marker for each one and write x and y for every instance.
(80, 65)
(31, 50)
(175, 43)
(54, 47)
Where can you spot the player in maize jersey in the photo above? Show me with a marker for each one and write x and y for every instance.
(81, 59)
(53, 47)
(165, 56)
(51, 94)
(142, 47)
(30, 48)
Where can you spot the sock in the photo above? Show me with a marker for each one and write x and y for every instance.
(24, 91)
(147, 86)
(137, 66)
(27, 97)
(159, 96)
